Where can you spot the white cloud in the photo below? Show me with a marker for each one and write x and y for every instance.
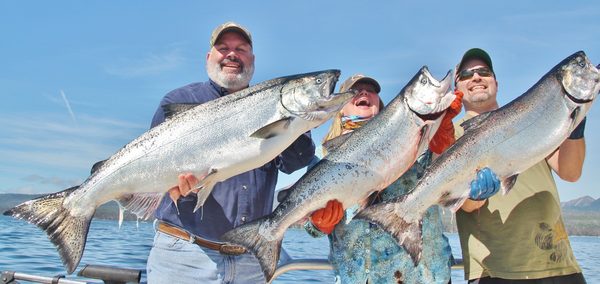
(49, 152)
(150, 64)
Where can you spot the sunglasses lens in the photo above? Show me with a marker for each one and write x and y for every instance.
(468, 74)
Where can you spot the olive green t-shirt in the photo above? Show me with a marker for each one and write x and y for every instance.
(519, 235)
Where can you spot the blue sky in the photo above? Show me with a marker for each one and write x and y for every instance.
(80, 79)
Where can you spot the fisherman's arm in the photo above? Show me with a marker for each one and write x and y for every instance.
(567, 160)
(486, 183)
(297, 155)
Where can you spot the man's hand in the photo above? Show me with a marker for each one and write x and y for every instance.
(444, 137)
(185, 185)
(326, 218)
(485, 185)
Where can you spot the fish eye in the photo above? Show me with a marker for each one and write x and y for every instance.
(318, 80)
(581, 63)
(424, 80)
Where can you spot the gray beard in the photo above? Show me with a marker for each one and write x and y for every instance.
(230, 81)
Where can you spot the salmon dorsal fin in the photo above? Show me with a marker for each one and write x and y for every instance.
(474, 122)
(171, 110)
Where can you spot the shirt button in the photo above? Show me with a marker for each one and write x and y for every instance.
(367, 231)
(243, 218)
(244, 187)
(367, 271)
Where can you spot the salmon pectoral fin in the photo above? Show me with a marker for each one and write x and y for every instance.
(507, 184)
(205, 188)
(273, 129)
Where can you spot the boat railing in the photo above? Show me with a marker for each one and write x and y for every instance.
(115, 275)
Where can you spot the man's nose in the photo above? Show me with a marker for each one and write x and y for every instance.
(476, 77)
(231, 54)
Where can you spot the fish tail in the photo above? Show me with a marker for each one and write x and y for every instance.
(408, 233)
(266, 251)
(68, 233)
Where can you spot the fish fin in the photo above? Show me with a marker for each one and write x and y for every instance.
(68, 233)
(143, 205)
(474, 122)
(97, 166)
(453, 202)
(273, 129)
(332, 144)
(266, 251)
(283, 194)
(171, 110)
(206, 187)
(426, 136)
(408, 233)
(507, 184)
(121, 215)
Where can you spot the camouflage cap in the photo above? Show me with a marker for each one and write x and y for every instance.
(347, 85)
(475, 53)
(230, 26)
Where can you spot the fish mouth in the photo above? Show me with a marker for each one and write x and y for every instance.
(576, 100)
(430, 116)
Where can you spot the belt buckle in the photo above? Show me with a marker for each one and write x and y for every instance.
(230, 249)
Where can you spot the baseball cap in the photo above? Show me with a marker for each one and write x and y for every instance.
(227, 27)
(475, 53)
(347, 85)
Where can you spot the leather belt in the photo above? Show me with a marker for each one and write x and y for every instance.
(223, 248)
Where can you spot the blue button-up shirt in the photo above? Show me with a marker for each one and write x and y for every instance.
(239, 199)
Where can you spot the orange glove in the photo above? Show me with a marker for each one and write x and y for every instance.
(326, 218)
(444, 137)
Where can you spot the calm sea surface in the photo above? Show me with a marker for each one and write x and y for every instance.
(24, 248)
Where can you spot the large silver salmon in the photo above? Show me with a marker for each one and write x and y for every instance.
(508, 140)
(218, 139)
(369, 160)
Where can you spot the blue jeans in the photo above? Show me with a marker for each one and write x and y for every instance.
(173, 260)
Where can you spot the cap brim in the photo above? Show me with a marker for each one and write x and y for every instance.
(371, 81)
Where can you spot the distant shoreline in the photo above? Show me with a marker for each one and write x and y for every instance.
(579, 221)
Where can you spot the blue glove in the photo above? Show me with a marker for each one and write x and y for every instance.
(578, 131)
(485, 185)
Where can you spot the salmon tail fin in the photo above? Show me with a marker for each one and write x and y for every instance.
(266, 251)
(68, 233)
(408, 233)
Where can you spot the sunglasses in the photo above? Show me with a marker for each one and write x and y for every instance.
(468, 74)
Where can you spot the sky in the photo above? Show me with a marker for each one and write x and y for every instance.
(80, 79)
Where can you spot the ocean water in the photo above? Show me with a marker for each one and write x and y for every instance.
(24, 248)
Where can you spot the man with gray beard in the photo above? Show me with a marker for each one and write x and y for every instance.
(186, 246)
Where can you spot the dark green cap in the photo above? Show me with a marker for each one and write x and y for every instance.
(476, 53)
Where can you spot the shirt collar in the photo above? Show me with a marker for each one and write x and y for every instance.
(220, 90)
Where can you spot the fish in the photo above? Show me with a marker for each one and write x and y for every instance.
(357, 165)
(215, 140)
(508, 140)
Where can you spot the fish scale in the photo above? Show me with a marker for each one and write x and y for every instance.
(214, 140)
(365, 161)
(508, 140)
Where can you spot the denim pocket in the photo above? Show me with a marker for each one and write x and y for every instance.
(164, 241)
